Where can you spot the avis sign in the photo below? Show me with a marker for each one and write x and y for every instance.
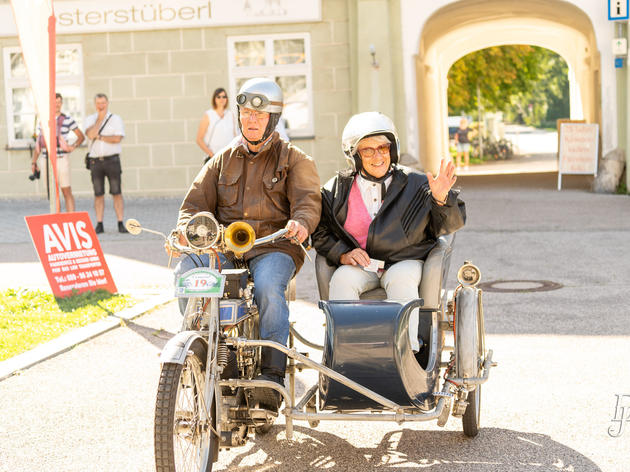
(70, 253)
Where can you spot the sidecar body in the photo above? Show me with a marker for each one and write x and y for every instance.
(368, 340)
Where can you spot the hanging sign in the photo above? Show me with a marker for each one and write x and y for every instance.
(70, 253)
(579, 145)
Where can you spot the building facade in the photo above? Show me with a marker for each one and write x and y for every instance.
(159, 62)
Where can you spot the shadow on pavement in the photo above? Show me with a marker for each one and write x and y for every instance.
(157, 337)
(495, 449)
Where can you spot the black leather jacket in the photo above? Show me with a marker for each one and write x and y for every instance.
(406, 226)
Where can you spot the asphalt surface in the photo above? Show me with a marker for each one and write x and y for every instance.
(563, 354)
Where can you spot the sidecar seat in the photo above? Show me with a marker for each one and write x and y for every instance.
(434, 273)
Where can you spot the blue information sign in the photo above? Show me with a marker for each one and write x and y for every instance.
(618, 10)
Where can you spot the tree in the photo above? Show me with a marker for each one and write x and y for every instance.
(526, 82)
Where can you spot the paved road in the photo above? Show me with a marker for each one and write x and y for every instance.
(563, 356)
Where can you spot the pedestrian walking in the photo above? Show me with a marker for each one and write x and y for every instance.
(65, 124)
(462, 141)
(106, 131)
(217, 127)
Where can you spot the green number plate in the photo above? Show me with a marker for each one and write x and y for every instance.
(200, 282)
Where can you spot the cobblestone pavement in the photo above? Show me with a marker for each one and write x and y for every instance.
(548, 406)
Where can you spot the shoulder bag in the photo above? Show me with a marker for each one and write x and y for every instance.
(87, 155)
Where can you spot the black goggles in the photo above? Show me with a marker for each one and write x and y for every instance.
(257, 101)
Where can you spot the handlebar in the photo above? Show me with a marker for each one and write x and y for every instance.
(173, 241)
(271, 237)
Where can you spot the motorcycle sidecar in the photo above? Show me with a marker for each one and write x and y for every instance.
(368, 341)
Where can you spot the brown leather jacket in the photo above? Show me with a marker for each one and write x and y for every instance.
(266, 190)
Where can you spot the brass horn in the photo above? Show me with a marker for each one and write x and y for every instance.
(239, 237)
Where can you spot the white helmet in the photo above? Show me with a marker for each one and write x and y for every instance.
(263, 95)
(361, 126)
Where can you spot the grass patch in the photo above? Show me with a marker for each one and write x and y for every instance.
(31, 317)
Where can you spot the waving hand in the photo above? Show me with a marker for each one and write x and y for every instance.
(442, 183)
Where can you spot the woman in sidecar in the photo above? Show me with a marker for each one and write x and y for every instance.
(386, 232)
(380, 220)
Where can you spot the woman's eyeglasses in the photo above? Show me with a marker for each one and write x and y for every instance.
(369, 152)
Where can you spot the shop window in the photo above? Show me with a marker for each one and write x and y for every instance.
(285, 59)
(21, 114)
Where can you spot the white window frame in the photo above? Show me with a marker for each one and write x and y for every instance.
(272, 70)
(23, 82)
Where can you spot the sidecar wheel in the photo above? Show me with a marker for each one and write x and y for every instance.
(184, 441)
(472, 415)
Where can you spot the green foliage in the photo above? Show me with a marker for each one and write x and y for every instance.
(528, 83)
(31, 317)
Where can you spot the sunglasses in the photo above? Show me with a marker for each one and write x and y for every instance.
(369, 152)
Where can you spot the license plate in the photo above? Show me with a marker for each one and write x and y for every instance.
(200, 282)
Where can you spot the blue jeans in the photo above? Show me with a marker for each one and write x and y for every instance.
(271, 272)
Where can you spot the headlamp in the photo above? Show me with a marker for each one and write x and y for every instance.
(468, 275)
(202, 231)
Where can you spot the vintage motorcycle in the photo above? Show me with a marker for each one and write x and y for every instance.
(206, 394)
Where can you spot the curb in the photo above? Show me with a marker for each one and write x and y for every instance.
(67, 341)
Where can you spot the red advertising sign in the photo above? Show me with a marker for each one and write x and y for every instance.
(70, 253)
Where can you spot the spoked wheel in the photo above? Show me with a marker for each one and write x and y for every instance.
(185, 438)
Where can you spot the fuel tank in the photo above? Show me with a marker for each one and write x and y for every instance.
(368, 342)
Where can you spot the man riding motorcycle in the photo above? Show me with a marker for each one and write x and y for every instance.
(266, 182)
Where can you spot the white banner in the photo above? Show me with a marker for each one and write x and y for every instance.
(31, 18)
(93, 16)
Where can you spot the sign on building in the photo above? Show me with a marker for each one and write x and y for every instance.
(579, 146)
(617, 10)
(95, 16)
(70, 253)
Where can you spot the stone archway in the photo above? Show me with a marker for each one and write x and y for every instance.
(463, 27)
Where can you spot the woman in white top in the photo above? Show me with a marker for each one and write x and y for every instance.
(217, 127)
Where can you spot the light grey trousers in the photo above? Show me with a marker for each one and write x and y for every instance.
(400, 281)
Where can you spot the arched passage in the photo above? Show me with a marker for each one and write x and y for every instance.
(463, 27)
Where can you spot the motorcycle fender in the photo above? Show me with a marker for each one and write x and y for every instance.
(466, 333)
(177, 347)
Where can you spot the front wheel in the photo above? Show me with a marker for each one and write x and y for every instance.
(185, 438)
